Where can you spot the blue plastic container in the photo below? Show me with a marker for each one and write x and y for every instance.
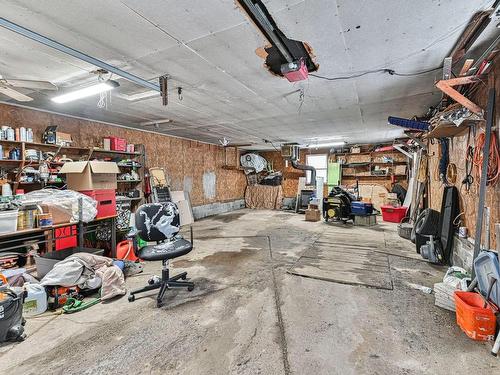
(361, 208)
(486, 266)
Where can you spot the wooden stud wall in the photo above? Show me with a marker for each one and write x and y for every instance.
(185, 161)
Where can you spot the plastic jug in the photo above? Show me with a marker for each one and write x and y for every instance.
(36, 300)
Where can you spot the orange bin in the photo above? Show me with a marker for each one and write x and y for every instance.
(477, 322)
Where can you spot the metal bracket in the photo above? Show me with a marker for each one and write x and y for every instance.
(400, 149)
(163, 89)
(417, 141)
(446, 86)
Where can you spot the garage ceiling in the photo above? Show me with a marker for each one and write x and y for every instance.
(209, 49)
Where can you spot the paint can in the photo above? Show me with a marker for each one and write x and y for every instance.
(462, 232)
(45, 220)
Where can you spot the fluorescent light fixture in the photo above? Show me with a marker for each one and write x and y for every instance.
(156, 122)
(323, 145)
(87, 91)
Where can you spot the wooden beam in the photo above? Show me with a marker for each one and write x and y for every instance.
(465, 68)
(446, 86)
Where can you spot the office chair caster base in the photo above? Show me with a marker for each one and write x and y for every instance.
(190, 288)
(131, 298)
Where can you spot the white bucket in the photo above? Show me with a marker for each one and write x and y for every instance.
(36, 300)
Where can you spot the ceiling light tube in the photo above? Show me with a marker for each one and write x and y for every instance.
(322, 145)
(86, 92)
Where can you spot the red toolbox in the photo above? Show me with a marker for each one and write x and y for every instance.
(66, 237)
(118, 144)
(393, 214)
(106, 201)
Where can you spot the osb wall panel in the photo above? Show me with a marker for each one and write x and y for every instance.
(185, 161)
(457, 153)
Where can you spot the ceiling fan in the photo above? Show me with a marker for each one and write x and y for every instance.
(7, 87)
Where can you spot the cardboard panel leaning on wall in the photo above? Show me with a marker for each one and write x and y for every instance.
(185, 161)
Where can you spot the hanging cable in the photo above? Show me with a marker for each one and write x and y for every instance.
(383, 70)
(493, 170)
(469, 163)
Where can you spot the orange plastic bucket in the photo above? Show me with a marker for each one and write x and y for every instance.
(124, 250)
(477, 322)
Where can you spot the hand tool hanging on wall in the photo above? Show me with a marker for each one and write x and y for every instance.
(482, 185)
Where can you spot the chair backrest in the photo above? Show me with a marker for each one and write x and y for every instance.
(157, 221)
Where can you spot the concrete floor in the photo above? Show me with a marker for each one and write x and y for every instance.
(247, 315)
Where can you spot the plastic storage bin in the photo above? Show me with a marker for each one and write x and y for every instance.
(47, 261)
(106, 201)
(361, 208)
(66, 237)
(487, 267)
(477, 322)
(118, 144)
(393, 214)
(8, 221)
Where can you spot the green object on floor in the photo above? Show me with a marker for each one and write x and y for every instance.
(73, 305)
(334, 174)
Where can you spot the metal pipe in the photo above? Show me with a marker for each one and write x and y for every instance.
(77, 54)
(484, 170)
(304, 167)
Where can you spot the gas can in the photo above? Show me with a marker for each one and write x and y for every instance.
(35, 302)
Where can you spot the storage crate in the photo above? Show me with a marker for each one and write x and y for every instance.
(66, 237)
(393, 214)
(118, 144)
(8, 221)
(477, 322)
(47, 261)
(361, 208)
(106, 201)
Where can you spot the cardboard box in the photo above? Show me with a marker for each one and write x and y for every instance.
(63, 139)
(313, 215)
(90, 175)
(59, 215)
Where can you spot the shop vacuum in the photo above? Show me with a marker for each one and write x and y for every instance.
(11, 315)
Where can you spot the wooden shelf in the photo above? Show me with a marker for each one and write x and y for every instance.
(363, 176)
(10, 161)
(102, 151)
(364, 153)
(44, 145)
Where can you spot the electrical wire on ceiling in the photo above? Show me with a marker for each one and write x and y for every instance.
(384, 70)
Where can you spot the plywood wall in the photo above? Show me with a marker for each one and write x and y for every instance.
(187, 162)
(457, 154)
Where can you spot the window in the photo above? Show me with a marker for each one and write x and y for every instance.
(320, 162)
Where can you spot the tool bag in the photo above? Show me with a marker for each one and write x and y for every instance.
(11, 315)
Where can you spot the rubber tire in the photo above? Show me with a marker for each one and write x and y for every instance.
(413, 232)
(428, 224)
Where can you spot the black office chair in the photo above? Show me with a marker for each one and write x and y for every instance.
(159, 222)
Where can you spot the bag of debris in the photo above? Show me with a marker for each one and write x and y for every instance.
(253, 161)
(66, 200)
(455, 279)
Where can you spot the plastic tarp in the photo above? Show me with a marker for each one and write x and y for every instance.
(67, 200)
(253, 161)
(262, 196)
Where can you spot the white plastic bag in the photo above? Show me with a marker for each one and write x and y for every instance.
(66, 200)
